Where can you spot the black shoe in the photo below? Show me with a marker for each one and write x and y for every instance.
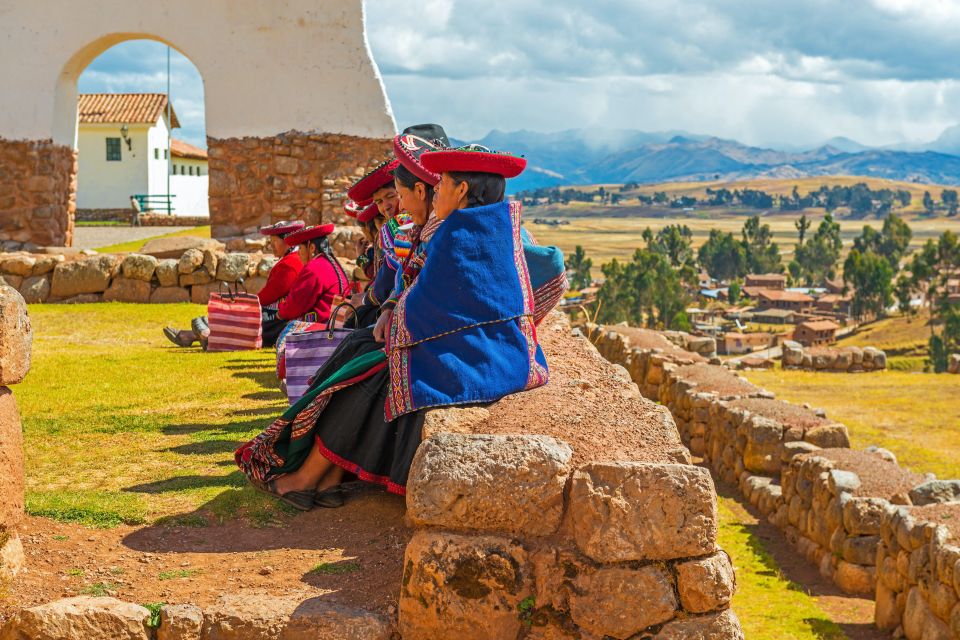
(179, 338)
(200, 327)
(329, 498)
(301, 500)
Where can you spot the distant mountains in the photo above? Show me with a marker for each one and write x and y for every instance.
(584, 156)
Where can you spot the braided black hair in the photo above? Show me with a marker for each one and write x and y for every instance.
(482, 188)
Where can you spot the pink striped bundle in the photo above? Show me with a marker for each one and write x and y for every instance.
(234, 320)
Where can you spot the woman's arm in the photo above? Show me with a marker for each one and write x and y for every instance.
(279, 281)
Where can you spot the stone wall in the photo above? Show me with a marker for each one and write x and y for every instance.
(845, 360)
(16, 340)
(38, 185)
(143, 278)
(259, 181)
(795, 466)
(145, 219)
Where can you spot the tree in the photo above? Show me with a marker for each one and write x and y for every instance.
(904, 197)
(861, 204)
(722, 256)
(763, 254)
(947, 342)
(645, 291)
(580, 265)
(891, 242)
(903, 290)
(673, 241)
(949, 198)
(802, 224)
(734, 291)
(928, 203)
(870, 276)
(818, 256)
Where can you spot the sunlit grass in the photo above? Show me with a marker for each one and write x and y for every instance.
(136, 245)
(915, 415)
(770, 606)
(120, 426)
(900, 335)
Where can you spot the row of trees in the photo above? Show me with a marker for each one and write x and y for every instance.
(859, 198)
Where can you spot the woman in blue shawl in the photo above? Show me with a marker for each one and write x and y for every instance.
(462, 332)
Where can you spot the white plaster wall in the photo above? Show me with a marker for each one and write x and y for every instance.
(109, 185)
(158, 167)
(267, 67)
(190, 195)
(190, 162)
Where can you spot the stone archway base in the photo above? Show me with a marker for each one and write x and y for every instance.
(38, 185)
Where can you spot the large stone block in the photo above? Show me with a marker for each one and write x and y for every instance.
(180, 622)
(935, 491)
(829, 436)
(11, 462)
(232, 267)
(862, 516)
(167, 272)
(640, 511)
(508, 483)
(87, 275)
(464, 587)
(16, 337)
(137, 266)
(855, 578)
(35, 289)
(81, 618)
(127, 290)
(166, 295)
(620, 602)
(712, 626)
(173, 248)
(706, 584)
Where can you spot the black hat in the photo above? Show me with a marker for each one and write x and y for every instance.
(430, 132)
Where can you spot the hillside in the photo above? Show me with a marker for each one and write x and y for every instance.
(582, 156)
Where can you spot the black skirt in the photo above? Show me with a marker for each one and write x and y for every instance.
(351, 431)
(272, 326)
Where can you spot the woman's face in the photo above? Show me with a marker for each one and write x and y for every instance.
(304, 251)
(387, 201)
(449, 196)
(414, 202)
(279, 246)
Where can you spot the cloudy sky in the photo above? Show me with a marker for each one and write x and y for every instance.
(760, 71)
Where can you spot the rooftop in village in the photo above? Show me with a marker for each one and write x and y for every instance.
(786, 296)
(129, 108)
(181, 149)
(820, 325)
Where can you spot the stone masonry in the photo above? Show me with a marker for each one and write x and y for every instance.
(38, 185)
(259, 181)
(16, 340)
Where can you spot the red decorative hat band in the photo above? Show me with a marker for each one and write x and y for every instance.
(368, 214)
(282, 228)
(366, 186)
(408, 148)
(473, 158)
(309, 233)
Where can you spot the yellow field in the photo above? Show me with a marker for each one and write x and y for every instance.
(915, 415)
(899, 335)
(605, 237)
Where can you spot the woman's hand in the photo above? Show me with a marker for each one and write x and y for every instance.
(382, 327)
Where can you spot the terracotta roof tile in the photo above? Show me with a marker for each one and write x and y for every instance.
(789, 296)
(133, 108)
(181, 149)
(819, 325)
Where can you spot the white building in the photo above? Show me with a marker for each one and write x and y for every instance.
(122, 153)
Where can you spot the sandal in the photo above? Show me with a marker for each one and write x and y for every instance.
(331, 498)
(200, 327)
(179, 338)
(301, 500)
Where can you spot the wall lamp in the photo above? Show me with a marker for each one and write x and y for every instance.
(123, 132)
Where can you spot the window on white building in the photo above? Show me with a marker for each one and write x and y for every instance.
(113, 149)
(156, 153)
(165, 154)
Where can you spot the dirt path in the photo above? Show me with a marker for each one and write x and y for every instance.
(95, 237)
(854, 615)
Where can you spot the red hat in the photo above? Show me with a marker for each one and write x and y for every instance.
(473, 158)
(408, 148)
(352, 208)
(369, 213)
(308, 233)
(282, 228)
(362, 191)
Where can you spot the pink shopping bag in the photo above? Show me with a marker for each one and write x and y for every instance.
(234, 320)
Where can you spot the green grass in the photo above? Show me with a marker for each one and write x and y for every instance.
(178, 573)
(135, 245)
(99, 589)
(770, 606)
(122, 427)
(913, 414)
(335, 568)
(101, 223)
(906, 336)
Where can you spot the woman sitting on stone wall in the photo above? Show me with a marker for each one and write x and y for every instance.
(279, 281)
(461, 332)
(322, 281)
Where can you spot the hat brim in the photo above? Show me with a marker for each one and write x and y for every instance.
(369, 184)
(309, 233)
(501, 164)
(282, 230)
(369, 213)
(408, 149)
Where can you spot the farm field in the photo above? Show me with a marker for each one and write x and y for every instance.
(915, 415)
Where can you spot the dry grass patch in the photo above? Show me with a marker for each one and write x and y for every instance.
(915, 415)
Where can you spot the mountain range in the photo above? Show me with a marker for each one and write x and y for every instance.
(591, 156)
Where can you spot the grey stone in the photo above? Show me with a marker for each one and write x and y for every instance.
(81, 618)
(232, 267)
(86, 275)
(16, 337)
(712, 626)
(935, 491)
(167, 272)
(190, 261)
(138, 267)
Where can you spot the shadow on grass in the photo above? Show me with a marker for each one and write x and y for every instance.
(181, 483)
(246, 426)
(206, 447)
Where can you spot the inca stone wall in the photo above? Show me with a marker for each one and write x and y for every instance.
(845, 360)
(38, 184)
(16, 340)
(874, 528)
(191, 277)
(259, 181)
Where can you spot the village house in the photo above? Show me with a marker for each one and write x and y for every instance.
(789, 300)
(816, 333)
(774, 316)
(776, 281)
(123, 154)
(735, 343)
(834, 303)
(953, 290)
